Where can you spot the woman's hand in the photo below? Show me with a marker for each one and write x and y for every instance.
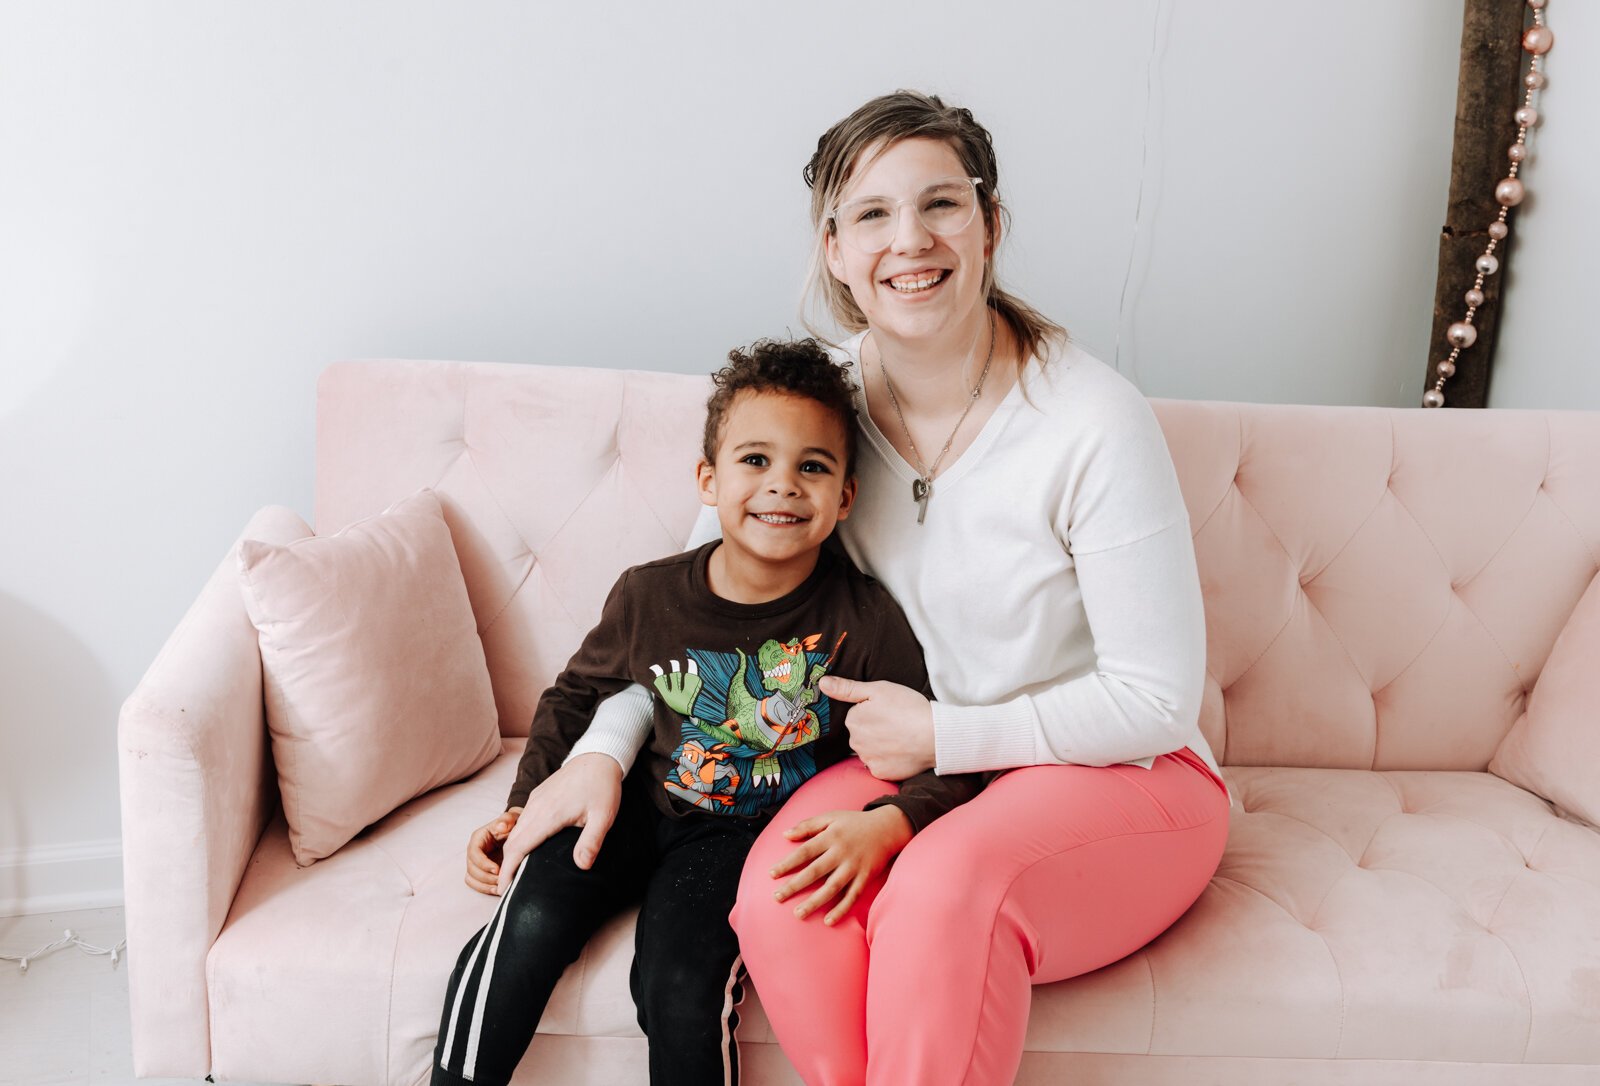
(845, 851)
(585, 792)
(891, 726)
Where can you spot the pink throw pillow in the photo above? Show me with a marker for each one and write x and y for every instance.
(1553, 749)
(376, 685)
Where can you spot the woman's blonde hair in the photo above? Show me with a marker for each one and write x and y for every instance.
(884, 122)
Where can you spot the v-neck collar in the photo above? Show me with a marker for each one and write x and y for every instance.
(970, 455)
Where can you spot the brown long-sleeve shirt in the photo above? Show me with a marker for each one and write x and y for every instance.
(739, 722)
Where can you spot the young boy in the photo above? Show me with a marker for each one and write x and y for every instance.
(733, 638)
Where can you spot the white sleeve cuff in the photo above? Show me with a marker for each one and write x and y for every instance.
(620, 728)
(972, 738)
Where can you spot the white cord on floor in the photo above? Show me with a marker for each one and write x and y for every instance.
(69, 938)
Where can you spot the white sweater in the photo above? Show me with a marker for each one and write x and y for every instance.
(1053, 584)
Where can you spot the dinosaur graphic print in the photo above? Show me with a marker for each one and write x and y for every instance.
(746, 723)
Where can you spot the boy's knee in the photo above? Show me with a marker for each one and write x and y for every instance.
(686, 996)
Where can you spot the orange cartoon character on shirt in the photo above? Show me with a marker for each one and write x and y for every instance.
(766, 710)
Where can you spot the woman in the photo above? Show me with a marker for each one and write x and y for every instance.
(1018, 500)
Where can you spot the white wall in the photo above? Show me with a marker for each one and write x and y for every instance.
(202, 204)
(1548, 349)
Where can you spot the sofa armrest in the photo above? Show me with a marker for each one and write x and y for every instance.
(197, 790)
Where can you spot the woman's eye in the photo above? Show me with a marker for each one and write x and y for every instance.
(939, 203)
(867, 214)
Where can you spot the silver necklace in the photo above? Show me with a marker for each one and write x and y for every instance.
(922, 485)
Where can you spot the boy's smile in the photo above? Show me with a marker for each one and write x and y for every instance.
(779, 486)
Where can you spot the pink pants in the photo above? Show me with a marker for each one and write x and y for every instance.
(1051, 872)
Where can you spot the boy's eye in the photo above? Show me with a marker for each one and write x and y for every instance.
(755, 460)
(814, 467)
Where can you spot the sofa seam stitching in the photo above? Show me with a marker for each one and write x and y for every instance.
(466, 454)
(622, 411)
(1370, 513)
(1338, 974)
(1150, 1044)
(1504, 543)
(1310, 826)
(388, 1018)
(1549, 463)
(1457, 595)
(1233, 484)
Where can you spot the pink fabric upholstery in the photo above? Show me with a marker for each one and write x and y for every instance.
(196, 789)
(553, 481)
(376, 687)
(1554, 749)
(1383, 589)
(1396, 578)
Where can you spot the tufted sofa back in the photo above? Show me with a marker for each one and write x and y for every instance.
(1382, 586)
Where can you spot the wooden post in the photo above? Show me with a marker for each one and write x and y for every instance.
(1487, 96)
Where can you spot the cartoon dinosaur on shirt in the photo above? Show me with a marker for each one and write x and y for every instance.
(779, 719)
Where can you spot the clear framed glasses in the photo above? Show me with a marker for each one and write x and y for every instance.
(944, 207)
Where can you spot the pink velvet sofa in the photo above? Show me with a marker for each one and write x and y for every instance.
(1382, 590)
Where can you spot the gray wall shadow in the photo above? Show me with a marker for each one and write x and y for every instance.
(58, 713)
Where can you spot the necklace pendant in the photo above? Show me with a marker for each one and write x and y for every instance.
(921, 491)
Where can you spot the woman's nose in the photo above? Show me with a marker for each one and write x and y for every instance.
(910, 236)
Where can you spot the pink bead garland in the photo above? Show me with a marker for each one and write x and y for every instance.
(1536, 42)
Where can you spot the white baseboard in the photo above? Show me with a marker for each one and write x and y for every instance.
(61, 878)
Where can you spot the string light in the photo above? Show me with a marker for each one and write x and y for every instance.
(1536, 42)
(68, 938)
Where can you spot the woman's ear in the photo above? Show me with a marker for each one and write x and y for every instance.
(831, 253)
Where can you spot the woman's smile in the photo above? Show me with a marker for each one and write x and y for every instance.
(923, 286)
(918, 282)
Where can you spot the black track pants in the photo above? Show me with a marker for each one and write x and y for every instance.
(684, 874)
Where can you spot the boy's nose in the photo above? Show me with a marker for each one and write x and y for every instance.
(783, 482)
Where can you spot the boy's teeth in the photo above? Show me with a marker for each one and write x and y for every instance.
(777, 518)
(910, 284)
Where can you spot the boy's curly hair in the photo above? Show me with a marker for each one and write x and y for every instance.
(799, 367)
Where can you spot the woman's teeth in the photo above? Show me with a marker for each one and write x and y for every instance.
(911, 284)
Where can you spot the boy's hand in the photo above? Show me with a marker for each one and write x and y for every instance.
(845, 851)
(483, 851)
(585, 792)
(891, 726)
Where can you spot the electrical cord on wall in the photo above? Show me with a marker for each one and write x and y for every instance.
(1158, 27)
(68, 938)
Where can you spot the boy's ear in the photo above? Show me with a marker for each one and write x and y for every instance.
(847, 497)
(705, 476)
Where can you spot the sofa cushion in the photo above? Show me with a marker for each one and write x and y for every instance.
(1358, 916)
(365, 940)
(1554, 747)
(376, 686)
(1405, 915)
